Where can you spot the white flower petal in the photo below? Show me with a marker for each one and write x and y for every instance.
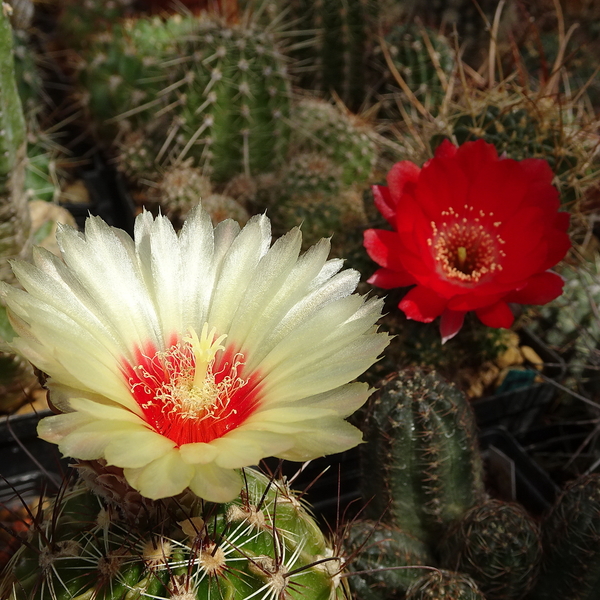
(198, 453)
(216, 484)
(165, 477)
(244, 447)
(53, 429)
(135, 449)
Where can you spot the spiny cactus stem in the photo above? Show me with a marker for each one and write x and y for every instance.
(14, 214)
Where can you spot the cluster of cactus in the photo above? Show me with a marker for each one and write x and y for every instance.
(571, 543)
(332, 156)
(333, 44)
(180, 187)
(193, 87)
(423, 479)
(100, 539)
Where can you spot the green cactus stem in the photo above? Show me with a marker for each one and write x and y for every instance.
(438, 585)
(421, 464)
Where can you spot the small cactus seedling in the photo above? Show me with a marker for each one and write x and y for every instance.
(438, 585)
(498, 545)
(263, 545)
(387, 560)
(571, 542)
(421, 464)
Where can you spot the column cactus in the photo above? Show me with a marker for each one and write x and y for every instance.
(421, 464)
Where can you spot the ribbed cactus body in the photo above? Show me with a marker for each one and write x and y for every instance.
(571, 542)
(498, 545)
(380, 551)
(438, 585)
(335, 40)
(421, 465)
(264, 545)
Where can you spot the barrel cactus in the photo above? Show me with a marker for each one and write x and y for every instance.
(571, 541)
(498, 544)
(100, 539)
(421, 464)
(386, 560)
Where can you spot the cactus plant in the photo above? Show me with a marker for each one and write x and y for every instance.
(421, 465)
(196, 86)
(319, 126)
(119, 545)
(425, 61)
(381, 551)
(571, 542)
(444, 584)
(14, 216)
(498, 544)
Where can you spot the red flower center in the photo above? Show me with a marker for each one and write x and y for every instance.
(195, 391)
(466, 249)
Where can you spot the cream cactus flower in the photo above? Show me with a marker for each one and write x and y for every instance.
(181, 358)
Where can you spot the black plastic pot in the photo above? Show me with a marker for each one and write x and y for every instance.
(108, 198)
(29, 466)
(513, 475)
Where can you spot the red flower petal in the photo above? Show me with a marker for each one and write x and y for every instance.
(472, 157)
(540, 289)
(497, 315)
(400, 174)
(384, 202)
(442, 186)
(497, 189)
(387, 279)
(450, 324)
(421, 304)
(446, 150)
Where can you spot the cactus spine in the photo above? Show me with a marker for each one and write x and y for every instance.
(571, 541)
(263, 545)
(421, 462)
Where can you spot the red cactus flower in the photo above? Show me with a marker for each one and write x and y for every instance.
(473, 232)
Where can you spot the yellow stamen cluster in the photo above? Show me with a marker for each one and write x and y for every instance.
(464, 248)
(190, 389)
